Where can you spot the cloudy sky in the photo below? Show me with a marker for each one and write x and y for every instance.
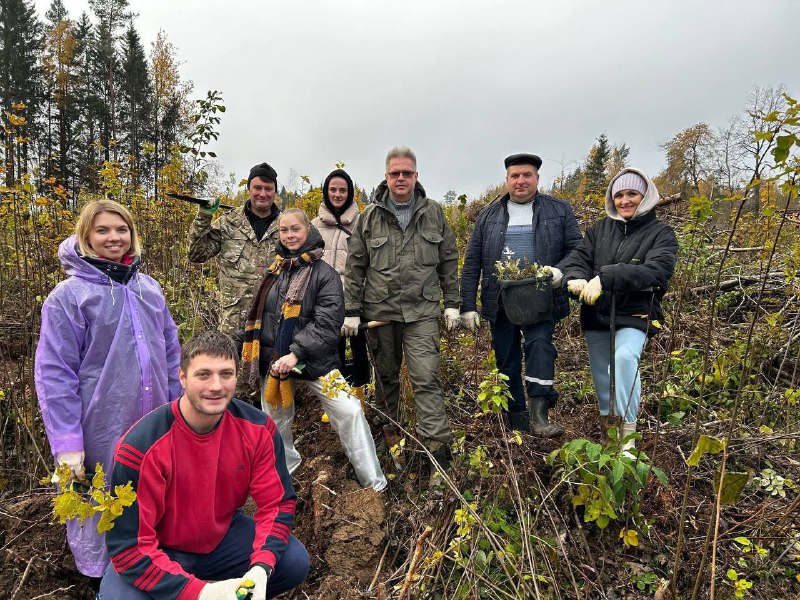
(464, 83)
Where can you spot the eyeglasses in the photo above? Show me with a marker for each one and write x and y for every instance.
(397, 174)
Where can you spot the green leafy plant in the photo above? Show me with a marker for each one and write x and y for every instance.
(515, 269)
(741, 586)
(494, 393)
(774, 484)
(604, 477)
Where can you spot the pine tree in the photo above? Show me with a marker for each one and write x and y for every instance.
(88, 105)
(60, 79)
(20, 81)
(112, 16)
(136, 101)
(594, 170)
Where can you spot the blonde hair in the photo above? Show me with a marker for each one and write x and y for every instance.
(295, 211)
(84, 225)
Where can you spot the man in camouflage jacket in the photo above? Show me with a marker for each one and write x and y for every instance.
(245, 239)
(402, 258)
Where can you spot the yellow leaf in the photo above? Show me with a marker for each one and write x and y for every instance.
(125, 494)
(629, 537)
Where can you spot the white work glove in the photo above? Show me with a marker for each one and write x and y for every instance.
(350, 327)
(74, 460)
(591, 292)
(260, 577)
(557, 277)
(451, 318)
(575, 286)
(220, 590)
(470, 319)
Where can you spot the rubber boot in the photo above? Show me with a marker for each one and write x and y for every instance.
(625, 430)
(519, 421)
(538, 407)
(436, 484)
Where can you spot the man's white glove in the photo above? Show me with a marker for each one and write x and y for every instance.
(350, 327)
(470, 319)
(558, 276)
(260, 577)
(451, 318)
(591, 292)
(575, 286)
(74, 460)
(220, 590)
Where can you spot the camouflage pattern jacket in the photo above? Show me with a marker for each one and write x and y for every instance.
(242, 259)
(393, 275)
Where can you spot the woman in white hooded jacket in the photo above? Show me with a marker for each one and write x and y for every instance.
(620, 273)
(336, 220)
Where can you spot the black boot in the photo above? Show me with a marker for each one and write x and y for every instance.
(436, 484)
(519, 421)
(538, 407)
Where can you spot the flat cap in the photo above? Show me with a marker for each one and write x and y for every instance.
(523, 159)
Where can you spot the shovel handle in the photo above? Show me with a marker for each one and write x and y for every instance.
(372, 325)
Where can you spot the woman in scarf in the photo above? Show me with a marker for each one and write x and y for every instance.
(620, 272)
(289, 341)
(108, 353)
(336, 220)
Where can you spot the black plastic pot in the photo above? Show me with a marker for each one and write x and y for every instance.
(526, 301)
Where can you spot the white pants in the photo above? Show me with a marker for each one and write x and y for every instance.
(347, 419)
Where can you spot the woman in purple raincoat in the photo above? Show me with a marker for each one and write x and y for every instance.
(108, 353)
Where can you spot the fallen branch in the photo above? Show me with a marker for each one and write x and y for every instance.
(414, 560)
(729, 284)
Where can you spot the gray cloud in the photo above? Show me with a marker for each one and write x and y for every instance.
(309, 83)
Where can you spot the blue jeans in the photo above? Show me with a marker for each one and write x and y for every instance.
(230, 559)
(508, 341)
(628, 346)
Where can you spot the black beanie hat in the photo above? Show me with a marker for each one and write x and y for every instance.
(337, 212)
(264, 171)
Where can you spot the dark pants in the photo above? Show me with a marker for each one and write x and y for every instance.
(508, 341)
(230, 559)
(357, 370)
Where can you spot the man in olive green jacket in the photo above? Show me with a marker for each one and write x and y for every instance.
(245, 239)
(402, 258)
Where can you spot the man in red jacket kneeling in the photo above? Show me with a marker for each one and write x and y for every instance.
(193, 463)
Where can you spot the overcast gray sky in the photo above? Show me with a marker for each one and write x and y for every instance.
(464, 83)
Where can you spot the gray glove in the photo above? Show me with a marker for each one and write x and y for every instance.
(350, 327)
(451, 318)
(470, 319)
(558, 276)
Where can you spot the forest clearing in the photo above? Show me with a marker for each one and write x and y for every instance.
(710, 507)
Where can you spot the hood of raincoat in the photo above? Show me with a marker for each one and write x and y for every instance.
(76, 266)
(648, 203)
